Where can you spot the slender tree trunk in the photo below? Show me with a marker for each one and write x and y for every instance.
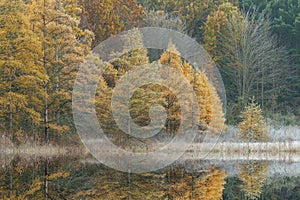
(10, 99)
(10, 112)
(46, 120)
(57, 70)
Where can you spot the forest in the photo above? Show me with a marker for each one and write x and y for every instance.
(254, 44)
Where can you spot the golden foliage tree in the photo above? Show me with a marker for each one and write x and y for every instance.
(109, 17)
(64, 47)
(136, 53)
(171, 58)
(217, 123)
(192, 12)
(201, 88)
(252, 127)
(210, 106)
(216, 26)
(144, 97)
(21, 75)
(126, 59)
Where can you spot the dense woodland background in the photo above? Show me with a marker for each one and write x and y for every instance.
(255, 45)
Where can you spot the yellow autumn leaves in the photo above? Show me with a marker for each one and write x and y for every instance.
(210, 107)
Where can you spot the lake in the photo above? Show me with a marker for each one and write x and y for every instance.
(218, 175)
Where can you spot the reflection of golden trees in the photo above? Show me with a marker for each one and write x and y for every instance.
(26, 179)
(204, 186)
(74, 180)
(111, 184)
(252, 174)
(210, 186)
(178, 184)
(175, 184)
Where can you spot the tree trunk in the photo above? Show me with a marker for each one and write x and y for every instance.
(46, 121)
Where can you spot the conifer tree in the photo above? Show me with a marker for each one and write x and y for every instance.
(138, 56)
(21, 76)
(110, 17)
(171, 59)
(253, 127)
(131, 55)
(188, 72)
(210, 106)
(217, 124)
(63, 49)
(201, 88)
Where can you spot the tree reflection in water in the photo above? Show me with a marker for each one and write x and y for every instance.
(76, 178)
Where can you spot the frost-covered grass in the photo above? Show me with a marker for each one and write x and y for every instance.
(284, 133)
(275, 133)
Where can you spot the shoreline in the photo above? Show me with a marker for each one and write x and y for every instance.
(225, 148)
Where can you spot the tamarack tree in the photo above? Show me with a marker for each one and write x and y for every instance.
(210, 107)
(21, 75)
(106, 18)
(63, 48)
(211, 114)
(252, 127)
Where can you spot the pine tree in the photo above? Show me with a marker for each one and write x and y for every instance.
(131, 55)
(138, 56)
(21, 75)
(253, 127)
(103, 95)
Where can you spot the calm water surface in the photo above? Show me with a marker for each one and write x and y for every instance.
(83, 178)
